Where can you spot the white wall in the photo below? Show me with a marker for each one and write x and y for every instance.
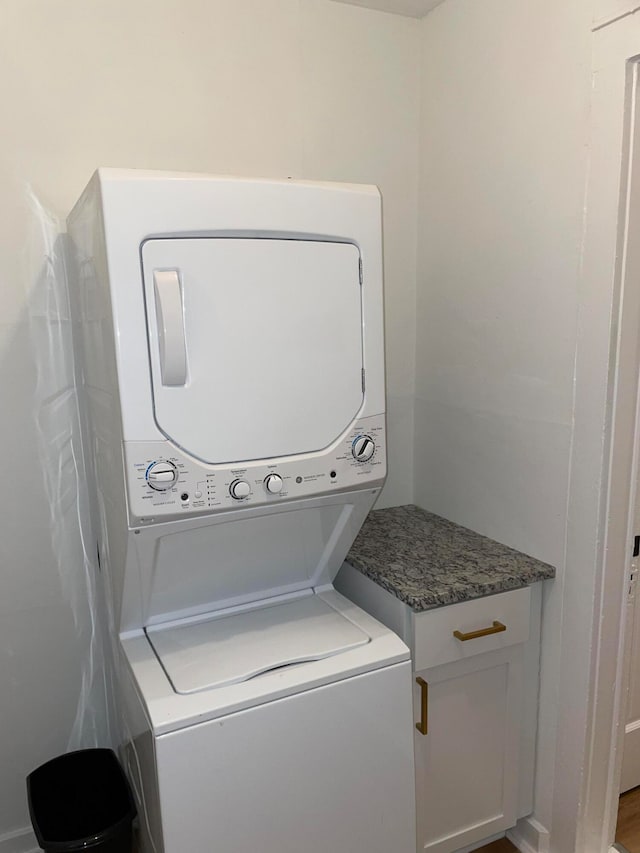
(314, 89)
(306, 88)
(505, 109)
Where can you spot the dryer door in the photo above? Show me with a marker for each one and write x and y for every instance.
(255, 344)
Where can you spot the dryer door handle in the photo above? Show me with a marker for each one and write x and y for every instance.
(170, 323)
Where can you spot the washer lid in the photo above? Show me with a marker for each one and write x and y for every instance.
(255, 344)
(230, 649)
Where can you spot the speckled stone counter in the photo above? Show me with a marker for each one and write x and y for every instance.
(428, 562)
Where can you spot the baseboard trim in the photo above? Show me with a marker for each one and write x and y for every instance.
(20, 841)
(529, 836)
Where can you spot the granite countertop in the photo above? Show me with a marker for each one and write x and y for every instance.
(427, 561)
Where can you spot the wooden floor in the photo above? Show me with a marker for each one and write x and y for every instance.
(502, 845)
(628, 830)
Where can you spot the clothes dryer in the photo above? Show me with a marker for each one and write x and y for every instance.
(231, 343)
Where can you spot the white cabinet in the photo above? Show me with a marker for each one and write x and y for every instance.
(477, 700)
(467, 763)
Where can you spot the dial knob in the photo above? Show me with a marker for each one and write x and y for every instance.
(239, 490)
(363, 448)
(273, 483)
(161, 476)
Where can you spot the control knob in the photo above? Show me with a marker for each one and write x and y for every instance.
(363, 448)
(273, 483)
(239, 490)
(161, 476)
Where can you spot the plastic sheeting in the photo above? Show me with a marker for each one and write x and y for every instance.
(76, 515)
(58, 416)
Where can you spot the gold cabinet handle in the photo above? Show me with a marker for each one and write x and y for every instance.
(423, 725)
(496, 628)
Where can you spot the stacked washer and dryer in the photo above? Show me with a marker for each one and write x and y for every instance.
(231, 351)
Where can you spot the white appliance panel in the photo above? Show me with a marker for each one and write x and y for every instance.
(329, 769)
(195, 568)
(210, 653)
(169, 711)
(121, 209)
(200, 488)
(255, 344)
(373, 717)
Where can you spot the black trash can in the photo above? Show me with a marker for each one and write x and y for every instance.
(81, 801)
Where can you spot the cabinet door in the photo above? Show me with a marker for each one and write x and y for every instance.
(467, 763)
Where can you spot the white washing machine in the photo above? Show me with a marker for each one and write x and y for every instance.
(231, 352)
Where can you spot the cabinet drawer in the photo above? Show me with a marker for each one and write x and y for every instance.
(433, 641)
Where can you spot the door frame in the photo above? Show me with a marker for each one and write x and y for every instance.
(604, 462)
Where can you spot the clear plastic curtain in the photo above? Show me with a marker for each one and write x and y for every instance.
(57, 415)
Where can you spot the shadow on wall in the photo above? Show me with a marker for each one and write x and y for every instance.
(58, 419)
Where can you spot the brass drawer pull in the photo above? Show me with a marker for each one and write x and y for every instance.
(496, 628)
(423, 725)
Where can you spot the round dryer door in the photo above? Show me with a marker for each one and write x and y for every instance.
(255, 344)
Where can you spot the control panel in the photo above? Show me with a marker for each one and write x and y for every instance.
(163, 482)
